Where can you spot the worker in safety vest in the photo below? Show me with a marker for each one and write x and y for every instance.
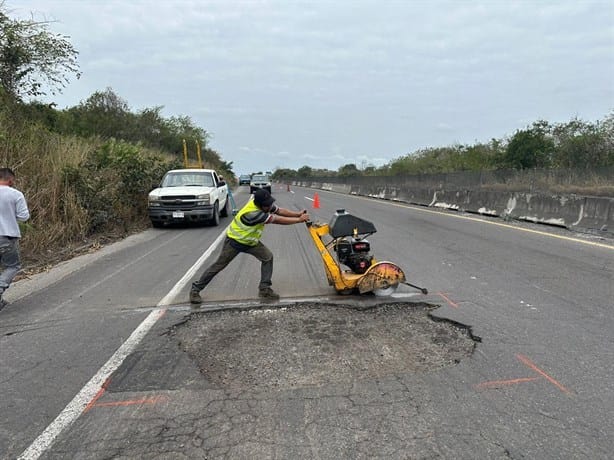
(244, 235)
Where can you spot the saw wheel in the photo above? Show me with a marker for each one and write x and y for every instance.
(385, 292)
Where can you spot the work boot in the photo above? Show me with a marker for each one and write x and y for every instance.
(268, 293)
(195, 297)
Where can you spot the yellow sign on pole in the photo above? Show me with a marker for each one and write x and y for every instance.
(186, 161)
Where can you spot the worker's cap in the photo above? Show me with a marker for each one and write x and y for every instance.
(263, 198)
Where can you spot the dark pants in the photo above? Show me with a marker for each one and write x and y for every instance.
(260, 252)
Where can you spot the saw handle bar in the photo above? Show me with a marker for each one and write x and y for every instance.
(421, 289)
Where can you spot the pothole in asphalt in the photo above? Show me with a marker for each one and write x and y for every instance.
(314, 344)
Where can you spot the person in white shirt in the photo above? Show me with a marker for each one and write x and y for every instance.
(13, 208)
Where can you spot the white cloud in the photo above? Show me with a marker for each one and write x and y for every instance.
(319, 81)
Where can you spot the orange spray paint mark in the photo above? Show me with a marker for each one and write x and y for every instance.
(132, 402)
(452, 304)
(527, 362)
(103, 388)
(500, 383)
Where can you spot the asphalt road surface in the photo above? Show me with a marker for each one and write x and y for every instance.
(510, 355)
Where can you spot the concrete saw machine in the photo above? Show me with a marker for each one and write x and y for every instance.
(346, 253)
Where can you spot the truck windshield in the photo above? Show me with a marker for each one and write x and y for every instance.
(184, 179)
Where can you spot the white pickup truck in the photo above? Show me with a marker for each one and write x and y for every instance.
(189, 195)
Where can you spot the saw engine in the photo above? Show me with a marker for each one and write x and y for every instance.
(349, 241)
(354, 253)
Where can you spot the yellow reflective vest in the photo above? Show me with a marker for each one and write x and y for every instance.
(245, 234)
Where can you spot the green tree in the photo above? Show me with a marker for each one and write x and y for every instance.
(349, 170)
(369, 170)
(581, 145)
(400, 166)
(32, 59)
(438, 160)
(305, 171)
(103, 114)
(283, 173)
(107, 115)
(530, 148)
(606, 128)
(152, 130)
(481, 156)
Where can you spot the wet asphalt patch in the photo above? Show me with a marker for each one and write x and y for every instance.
(311, 344)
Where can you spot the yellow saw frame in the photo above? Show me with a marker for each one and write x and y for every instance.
(381, 278)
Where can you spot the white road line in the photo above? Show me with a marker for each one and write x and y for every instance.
(75, 408)
(168, 298)
(78, 404)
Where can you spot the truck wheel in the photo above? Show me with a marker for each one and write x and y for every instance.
(157, 224)
(215, 220)
(224, 212)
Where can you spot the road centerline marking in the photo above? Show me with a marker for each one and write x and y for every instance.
(91, 389)
(95, 387)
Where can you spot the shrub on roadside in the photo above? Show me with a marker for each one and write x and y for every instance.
(76, 188)
(112, 183)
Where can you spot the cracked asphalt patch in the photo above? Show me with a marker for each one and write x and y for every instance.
(312, 344)
(304, 380)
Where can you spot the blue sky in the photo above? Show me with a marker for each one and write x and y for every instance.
(325, 83)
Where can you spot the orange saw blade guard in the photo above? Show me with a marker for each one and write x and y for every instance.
(381, 275)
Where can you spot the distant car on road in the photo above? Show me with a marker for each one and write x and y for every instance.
(244, 179)
(260, 181)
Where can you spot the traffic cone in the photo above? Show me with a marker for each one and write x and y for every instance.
(316, 201)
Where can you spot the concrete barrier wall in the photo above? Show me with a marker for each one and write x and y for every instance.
(570, 211)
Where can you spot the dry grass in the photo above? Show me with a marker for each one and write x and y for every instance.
(38, 158)
(596, 186)
(59, 225)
